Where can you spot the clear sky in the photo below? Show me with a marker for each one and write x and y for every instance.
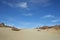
(30, 13)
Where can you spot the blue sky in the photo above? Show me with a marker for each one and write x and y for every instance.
(30, 13)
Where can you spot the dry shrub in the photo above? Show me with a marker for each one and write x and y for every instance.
(38, 30)
(2, 24)
(50, 27)
(15, 29)
(57, 28)
(44, 27)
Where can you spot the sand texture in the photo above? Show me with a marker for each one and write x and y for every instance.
(29, 34)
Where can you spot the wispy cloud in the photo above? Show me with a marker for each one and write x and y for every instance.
(42, 3)
(7, 3)
(55, 20)
(19, 4)
(28, 14)
(22, 5)
(38, 1)
(48, 16)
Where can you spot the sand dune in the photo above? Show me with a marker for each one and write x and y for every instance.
(29, 34)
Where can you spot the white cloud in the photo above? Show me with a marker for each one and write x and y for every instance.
(19, 4)
(22, 5)
(29, 14)
(48, 16)
(9, 4)
(38, 1)
(42, 3)
(55, 20)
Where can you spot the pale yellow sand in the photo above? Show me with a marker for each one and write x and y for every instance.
(29, 34)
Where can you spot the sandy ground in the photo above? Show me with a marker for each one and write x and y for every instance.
(29, 34)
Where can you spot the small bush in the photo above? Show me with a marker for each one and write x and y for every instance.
(15, 29)
(38, 30)
(44, 27)
(2, 24)
(57, 28)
